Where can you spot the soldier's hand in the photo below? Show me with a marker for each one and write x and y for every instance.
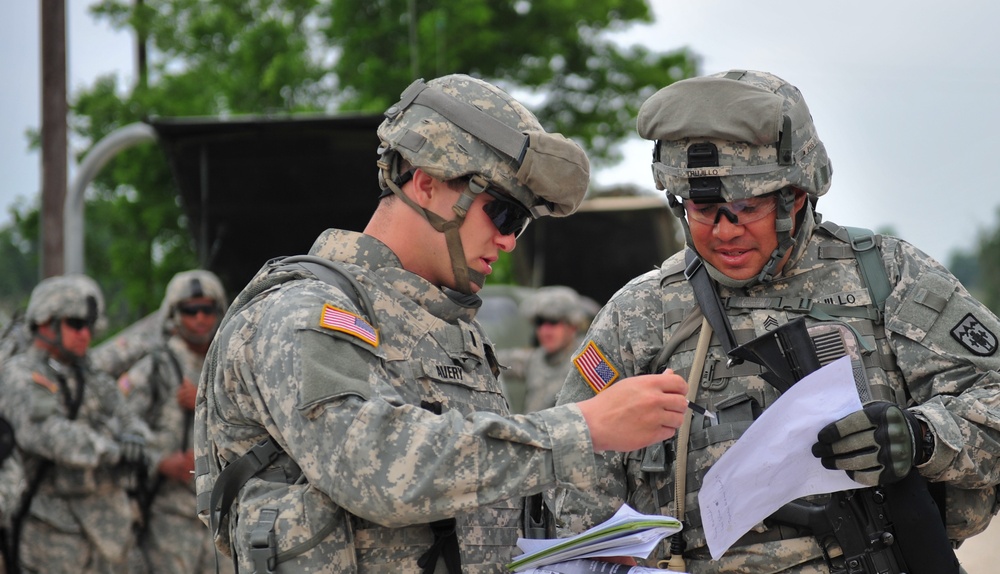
(178, 466)
(186, 394)
(636, 412)
(876, 445)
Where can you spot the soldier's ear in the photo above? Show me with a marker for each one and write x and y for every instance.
(422, 187)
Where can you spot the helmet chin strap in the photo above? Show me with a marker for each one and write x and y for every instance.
(450, 227)
(56, 342)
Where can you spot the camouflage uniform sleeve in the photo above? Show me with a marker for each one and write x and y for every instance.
(326, 397)
(624, 334)
(12, 485)
(945, 343)
(142, 387)
(32, 404)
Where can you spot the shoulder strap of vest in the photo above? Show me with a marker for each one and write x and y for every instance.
(864, 244)
(708, 300)
(230, 480)
(333, 273)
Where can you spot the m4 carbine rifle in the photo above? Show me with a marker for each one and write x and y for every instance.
(889, 529)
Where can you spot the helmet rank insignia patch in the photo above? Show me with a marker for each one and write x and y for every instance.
(974, 336)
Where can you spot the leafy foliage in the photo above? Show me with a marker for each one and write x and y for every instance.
(278, 57)
(988, 287)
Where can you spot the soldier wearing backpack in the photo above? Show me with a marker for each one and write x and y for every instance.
(350, 418)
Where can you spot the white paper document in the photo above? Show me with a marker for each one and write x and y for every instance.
(594, 567)
(772, 463)
(627, 533)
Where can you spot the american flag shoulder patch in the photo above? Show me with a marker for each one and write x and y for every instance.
(347, 322)
(595, 368)
(125, 385)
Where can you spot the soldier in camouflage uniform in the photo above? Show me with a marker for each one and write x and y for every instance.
(11, 485)
(364, 387)
(80, 444)
(559, 314)
(741, 163)
(161, 388)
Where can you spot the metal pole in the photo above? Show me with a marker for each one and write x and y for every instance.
(102, 152)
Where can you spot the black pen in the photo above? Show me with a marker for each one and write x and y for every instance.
(702, 410)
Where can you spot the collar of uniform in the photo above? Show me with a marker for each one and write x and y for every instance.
(354, 248)
(366, 251)
(443, 304)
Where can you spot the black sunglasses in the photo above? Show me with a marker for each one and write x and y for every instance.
(509, 216)
(78, 324)
(539, 321)
(192, 310)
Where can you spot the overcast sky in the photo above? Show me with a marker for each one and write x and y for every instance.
(903, 94)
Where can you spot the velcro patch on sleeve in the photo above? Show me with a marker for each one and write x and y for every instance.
(40, 379)
(595, 368)
(337, 319)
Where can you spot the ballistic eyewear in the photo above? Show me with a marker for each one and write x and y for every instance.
(78, 324)
(509, 216)
(739, 212)
(192, 310)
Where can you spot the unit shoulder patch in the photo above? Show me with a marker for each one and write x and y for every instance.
(337, 319)
(40, 379)
(595, 368)
(974, 336)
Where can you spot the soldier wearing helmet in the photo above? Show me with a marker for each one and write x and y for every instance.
(81, 446)
(349, 417)
(161, 387)
(739, 158)
(558, 314)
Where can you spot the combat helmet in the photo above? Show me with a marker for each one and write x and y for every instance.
(186, 285)
(66, 296)
(459, 126)
(560, 303)
(736, 135)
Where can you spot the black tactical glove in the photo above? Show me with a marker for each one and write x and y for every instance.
(133, 449)
(877, 445)
(132, 461)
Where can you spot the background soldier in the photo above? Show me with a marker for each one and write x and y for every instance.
(365, 389)
(81, 446)
(743, 167)
(558, 314)
(11, 487)
(161, 387)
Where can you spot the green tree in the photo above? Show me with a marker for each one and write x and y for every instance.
(230, 57)
(988, 285)
(557, 50)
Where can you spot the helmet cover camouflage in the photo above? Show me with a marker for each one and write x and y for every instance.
(547, 173)
(746, 115)
(189, 284)
(66, 296)
(560, 303)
